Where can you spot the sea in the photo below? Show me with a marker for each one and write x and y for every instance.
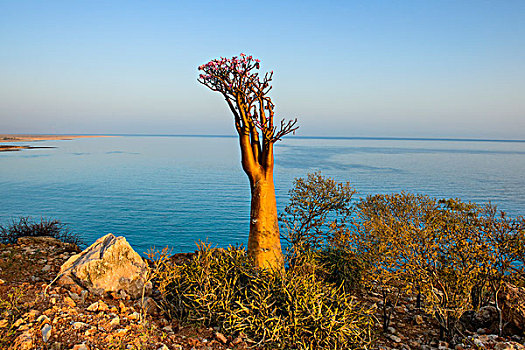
(173, 191)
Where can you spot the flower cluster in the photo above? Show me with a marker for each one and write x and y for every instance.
(227, 74)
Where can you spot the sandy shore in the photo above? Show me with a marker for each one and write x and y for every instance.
(28, 138)
(5, 138)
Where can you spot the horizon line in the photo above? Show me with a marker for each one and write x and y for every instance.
(312, 137)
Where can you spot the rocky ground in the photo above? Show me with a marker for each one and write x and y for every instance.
(38, 314)
(35, 316)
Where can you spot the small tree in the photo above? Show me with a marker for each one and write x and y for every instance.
(246, 93)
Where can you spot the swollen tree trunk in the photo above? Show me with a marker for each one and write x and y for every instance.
(264, 244)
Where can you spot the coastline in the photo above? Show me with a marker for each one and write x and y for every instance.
(31, 137)
(7, 138)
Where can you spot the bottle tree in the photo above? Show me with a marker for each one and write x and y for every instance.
(246, 93)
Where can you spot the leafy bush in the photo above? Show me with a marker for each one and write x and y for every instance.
(319, 209)
(315, 224)
(293, 310)
(452, 253)
(26, 226)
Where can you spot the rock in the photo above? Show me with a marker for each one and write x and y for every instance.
(46, 268)
(115, 322)
(134, 316)
(80, 347)
(221, 337)
(70, 302)
(90, 332)
(443, 345)
(108, 265)
(74, 296)
(394, 338)
(486, 316)
(163, 347)
(46, 332)
(99, 306)
(24, 341)
(150, 306)
(512, 303)
(102, 306)
(79, 325)
(93, 307)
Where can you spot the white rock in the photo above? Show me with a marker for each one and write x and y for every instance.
(109, 265)
(79, 325)
(46, 332)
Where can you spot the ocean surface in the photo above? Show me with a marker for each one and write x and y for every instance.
(171, 191)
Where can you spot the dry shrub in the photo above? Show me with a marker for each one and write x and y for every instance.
(28, 227)
(456, 255)
(293, 310)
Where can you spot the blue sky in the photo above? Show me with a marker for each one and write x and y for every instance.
(344, 68)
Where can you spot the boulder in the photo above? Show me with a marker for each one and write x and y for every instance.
(512, 302)
(108, 265)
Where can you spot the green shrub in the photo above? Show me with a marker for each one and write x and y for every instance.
(26, 226)
(293, 310)
(319, 210)
(315, 223)
(454, 254)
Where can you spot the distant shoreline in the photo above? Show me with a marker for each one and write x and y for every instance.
(33, 137)
(5, 138)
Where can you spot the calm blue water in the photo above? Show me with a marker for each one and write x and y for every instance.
(159, 191)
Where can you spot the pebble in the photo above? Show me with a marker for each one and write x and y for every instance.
(93, 307)
(78, 325)
(115, 322)
(80, 347)
(46, 332)
(74, 296)
(221, 337)
(70, 302)
(46, 268)
(134, 316)
(90, 332)
(394, 338)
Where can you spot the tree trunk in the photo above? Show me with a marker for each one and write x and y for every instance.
(264, 244)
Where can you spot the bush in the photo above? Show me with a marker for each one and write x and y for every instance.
(319, 210)
(293, 310)
(453, 254)
(26, 226)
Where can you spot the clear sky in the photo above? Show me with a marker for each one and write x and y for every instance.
(344, 68)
